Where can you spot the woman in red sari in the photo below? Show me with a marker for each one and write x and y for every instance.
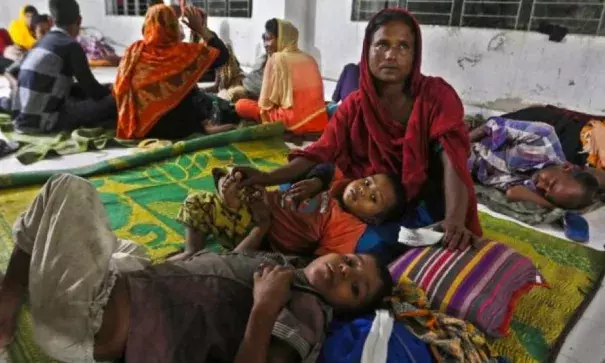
(399, 121)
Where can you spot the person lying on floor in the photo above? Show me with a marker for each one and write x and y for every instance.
(156, 86)
(93, 297)
(292, 88)
(525, 160)
(299, 221)
(42, 103)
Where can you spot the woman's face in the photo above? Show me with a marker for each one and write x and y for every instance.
(392, 51)
(270, 43)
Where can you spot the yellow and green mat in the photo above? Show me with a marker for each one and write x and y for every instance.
(142, 202)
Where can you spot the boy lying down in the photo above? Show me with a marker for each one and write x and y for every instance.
(94, 297)
(328, 221)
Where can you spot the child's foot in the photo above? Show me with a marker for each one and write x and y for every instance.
(9, 307)
(229, 192)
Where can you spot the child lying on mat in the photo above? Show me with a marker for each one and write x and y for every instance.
(324, 222)
(526, 161)
(94, 297)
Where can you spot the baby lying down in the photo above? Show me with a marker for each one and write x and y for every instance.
(94, 297)
(303, 220)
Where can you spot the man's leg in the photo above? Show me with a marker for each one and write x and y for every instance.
(63, 259)
(88, 113)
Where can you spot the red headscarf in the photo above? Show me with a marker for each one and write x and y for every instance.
(362, 139)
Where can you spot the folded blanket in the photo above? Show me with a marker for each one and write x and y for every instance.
(37, 147)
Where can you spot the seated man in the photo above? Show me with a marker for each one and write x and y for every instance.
(93, 296)
(525, 160)
(41, 103)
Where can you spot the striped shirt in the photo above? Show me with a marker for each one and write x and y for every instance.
(45, 80)
(513, 151)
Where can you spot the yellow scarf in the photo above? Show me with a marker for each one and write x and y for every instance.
(277, 81)
(20, 33)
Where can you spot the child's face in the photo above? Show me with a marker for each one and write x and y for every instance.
(558, 186)
(367, 198)
(41, 30)
(346, 282)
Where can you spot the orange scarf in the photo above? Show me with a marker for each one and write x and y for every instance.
(156, 73)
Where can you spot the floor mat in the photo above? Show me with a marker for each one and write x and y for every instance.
(142, 203)
(544, 316)
(146, 156)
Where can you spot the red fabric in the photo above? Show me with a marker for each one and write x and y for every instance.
(247, 109)
(317, 226)
(5, 40)
(362, 139)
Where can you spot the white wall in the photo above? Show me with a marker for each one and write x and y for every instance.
(498, 69)
(487, 67)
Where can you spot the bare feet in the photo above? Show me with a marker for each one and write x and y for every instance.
(228, 190)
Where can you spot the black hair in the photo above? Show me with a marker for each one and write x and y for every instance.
(272, 27)
(590, 188)
(378, 301)
(151, 3)
(39, 19)
(65, 12)
(177, 10)
(30, 9)
(388, 16)
(396, 211)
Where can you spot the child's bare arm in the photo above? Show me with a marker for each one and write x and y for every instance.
(194, 242)
(254, 239)
(520, 193)
(261, 217)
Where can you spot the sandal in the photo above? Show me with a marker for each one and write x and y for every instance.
(576, 227)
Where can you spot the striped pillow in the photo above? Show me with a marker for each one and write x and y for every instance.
(480, 286)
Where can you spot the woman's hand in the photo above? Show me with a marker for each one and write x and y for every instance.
(251, 176)
(261, 215)
(196, 20)
(305, 189)
(272, 288)
(456, 235)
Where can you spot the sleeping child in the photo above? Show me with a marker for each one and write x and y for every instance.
(303, 220)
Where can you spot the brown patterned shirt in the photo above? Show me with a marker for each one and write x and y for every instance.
(197, 310)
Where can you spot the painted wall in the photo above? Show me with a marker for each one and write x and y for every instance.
(497, 69)
(487, 67)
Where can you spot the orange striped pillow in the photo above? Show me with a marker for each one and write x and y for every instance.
(480, 286)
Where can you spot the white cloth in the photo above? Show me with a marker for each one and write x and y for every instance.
(419, 237)
(375, 348)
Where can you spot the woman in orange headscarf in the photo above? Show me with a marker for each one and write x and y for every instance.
(292, 90)
(156, 87)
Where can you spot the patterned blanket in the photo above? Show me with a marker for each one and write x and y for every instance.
(142, 203)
